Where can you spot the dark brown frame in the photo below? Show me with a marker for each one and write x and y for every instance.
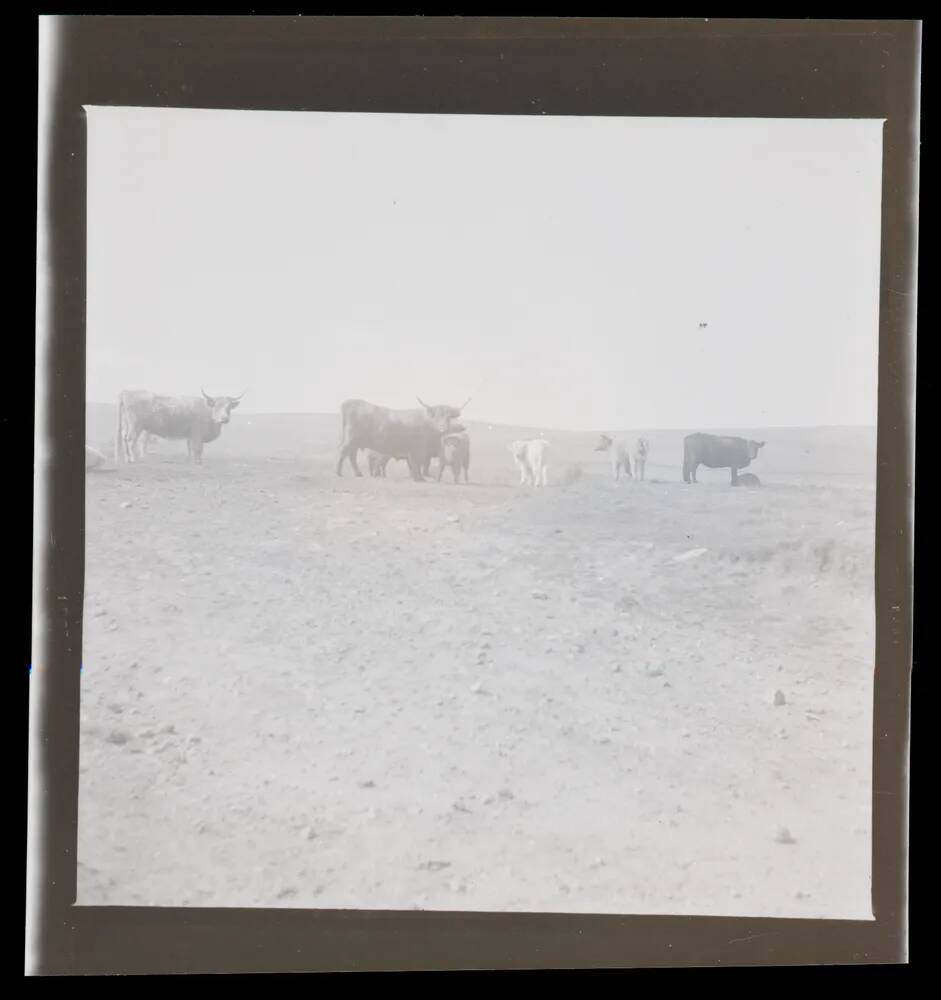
(565, 66)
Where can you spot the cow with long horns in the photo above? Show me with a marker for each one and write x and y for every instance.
(414, 435)
(176, 418)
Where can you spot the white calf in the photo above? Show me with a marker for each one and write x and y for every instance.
(530, 457)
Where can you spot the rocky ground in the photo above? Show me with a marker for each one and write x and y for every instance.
(596, 697)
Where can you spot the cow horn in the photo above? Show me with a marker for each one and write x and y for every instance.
(206, 395)
(464, 404)
(242, 393)
(423, 403)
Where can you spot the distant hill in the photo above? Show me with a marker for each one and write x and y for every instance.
(791, 454)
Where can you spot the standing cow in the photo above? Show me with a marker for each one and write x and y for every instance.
(618, 453)
(455, 454)
(714, 452)
(413, 435)
(641, 451)
(530, 458)
(178, 418)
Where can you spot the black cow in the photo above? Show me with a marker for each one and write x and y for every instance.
(414, 435)
(717, 453)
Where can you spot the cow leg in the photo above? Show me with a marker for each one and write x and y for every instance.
(415, 467)
(734, 480)
(456, 469)
(440, 470)
(198, 452)
(135, 448)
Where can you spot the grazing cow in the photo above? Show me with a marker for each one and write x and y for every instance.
(641, 451)
(413, 435)
(717, 453)
(93, 458)
(617, 451)
(530, 457)
(178, 418)
(747, 479)
(455, 454)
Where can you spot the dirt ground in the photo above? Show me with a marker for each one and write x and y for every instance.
(307, 691)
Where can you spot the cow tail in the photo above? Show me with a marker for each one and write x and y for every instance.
(118, 435)
(685, 461)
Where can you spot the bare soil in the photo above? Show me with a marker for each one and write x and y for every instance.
(307, 691)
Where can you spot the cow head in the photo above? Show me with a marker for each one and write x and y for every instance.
(604, 443)
(753, 447)
(441, 416)
(221, 406)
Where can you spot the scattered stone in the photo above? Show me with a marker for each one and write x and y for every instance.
(779, 698)
(477, 688)
(597, 863)
(540, 595)
(626, 603)
(456, 886)
(616, 668)
(202, 827)
(308, 833)
(125, 504)
(505, 793)
(800, 894)
(654, 671)
(288, 893)
(433, 866)
(667, 684)
(784, 836)
(117, 737)
(367, 784)
(690, 554)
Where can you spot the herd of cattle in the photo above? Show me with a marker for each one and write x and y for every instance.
(416, 437)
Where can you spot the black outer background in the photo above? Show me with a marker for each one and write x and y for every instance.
(565, 66)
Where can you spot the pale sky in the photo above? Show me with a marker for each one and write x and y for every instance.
(556, 270)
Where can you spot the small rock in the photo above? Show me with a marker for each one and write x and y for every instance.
(287, 893)
(118, 738)
(367, 784)
(690, 554)
(540, 595)
(779, 698)
(125, 504)
(433, 866)
(800, 894)
(784, 836)
(308, 833)
(505, 793)
(667, 684)
(616, 668)
(477, 688)
(654, 671)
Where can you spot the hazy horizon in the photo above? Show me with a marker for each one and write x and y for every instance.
(244, 412)
(575, 273)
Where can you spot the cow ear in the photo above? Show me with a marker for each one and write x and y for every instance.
(233, 403)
